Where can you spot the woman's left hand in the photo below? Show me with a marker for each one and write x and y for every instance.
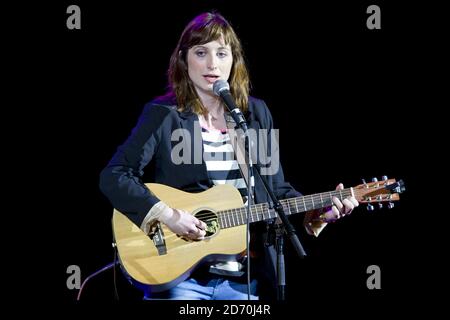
(316, 220)
(339, 209)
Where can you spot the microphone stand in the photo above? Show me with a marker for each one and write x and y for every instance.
(280, 228)
(242, 124)
(285, 227)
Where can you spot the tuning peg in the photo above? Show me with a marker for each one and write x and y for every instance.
(370, 207)
(374, 180)
(390, 205)
(384, 178)
(365, 183)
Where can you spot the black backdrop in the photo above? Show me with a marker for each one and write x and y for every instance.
(341, 95)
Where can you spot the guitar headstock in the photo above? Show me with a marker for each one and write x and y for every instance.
(386, 190)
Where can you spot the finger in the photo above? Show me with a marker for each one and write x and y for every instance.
(202, 233)
(354, 201)
(340, 186)
(197, 222)
(348, 206)
(197, 234)
(200, 224)
(338, 204)
(336, 213)
(331, 215)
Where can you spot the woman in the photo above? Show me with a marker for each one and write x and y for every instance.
(208, 50)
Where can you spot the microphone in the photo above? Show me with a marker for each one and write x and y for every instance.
(222, 89)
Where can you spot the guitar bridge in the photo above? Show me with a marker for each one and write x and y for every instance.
(157, 235)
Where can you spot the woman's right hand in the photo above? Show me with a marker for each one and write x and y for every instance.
(183, 223)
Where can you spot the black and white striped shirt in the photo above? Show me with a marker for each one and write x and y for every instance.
(220, 160)
(223, 168)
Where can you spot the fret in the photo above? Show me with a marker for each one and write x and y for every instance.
(296, 206)
(222, 217)
(239, 214)
(232, 217)
(268, 210)
(340, 192)
(219, 217)
(321, 200)
(312, 199)
(237, 220)
(255, 213)
(244, 215)
(304, 204)
(289, 207)
(262, 215)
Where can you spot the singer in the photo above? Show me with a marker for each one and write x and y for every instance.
(207, 51)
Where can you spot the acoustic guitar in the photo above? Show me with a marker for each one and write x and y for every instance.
(164, 259)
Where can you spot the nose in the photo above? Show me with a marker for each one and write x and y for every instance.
(212, 63)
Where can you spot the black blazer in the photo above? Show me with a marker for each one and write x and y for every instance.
(150, 145)
(150, 141)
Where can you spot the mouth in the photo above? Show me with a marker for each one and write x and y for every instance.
(211, 78)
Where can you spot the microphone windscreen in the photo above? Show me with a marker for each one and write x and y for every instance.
(219, 86)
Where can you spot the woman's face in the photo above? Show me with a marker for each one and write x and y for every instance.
(207, 63)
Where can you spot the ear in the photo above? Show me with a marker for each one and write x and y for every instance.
(182, 60)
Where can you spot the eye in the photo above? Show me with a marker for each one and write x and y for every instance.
(222, 54)
(200, 53)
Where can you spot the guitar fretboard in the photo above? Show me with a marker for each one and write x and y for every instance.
(260, 212)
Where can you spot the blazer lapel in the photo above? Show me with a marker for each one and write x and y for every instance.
(193, 132)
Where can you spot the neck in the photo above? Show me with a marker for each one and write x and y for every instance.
(212, 104)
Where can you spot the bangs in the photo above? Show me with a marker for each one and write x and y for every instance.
(211, 31)
(205, 28)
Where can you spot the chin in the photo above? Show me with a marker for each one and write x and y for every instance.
(209, 87)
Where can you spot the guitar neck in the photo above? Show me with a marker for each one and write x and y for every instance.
(260, 212)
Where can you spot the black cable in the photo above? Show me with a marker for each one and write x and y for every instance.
(116, 293)
(108, 266)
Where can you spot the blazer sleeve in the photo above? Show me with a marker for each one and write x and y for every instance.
(121, 180)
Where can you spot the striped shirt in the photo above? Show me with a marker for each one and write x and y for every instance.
(223, 168)
(220, 160)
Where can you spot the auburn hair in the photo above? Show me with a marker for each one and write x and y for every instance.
(205, 28)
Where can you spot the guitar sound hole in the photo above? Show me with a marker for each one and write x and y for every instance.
(210, 218)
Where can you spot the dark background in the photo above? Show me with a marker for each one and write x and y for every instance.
(349, 103)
